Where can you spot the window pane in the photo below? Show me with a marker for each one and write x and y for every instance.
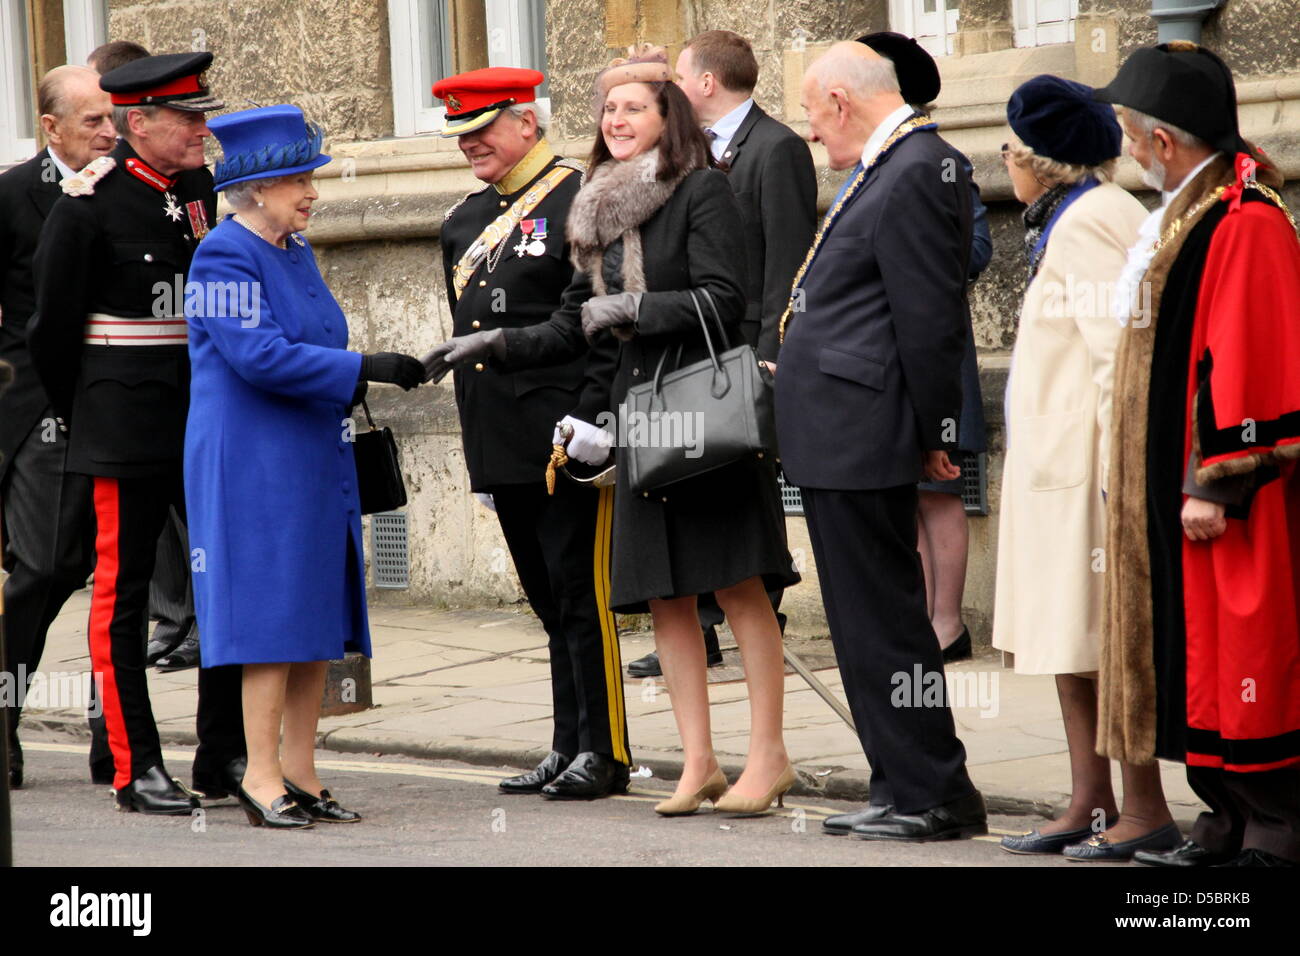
(20, 58)
(435, 48)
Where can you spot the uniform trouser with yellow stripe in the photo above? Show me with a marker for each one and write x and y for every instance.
(561, 547)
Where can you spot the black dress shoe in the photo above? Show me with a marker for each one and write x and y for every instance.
(960, 649)
(955, 820)
(185, 655)
(283, 814)
(538, 777)
(1255, 857)
(649, 666)
(155, 792)
(591, 775)
(1098, 849)
(323, 807)
(224, 782)
(1186, 854)
(843, 823)
(166, 638)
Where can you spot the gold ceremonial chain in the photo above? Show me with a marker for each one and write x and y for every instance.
(910, 126)
(1175, 227)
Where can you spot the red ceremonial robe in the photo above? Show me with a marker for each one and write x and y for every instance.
(1242, 428)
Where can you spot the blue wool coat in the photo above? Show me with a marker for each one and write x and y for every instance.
(270, 478)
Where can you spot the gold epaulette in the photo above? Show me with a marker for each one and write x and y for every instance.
(577, 164)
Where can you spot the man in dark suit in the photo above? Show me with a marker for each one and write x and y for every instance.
(771, 172)
(868, 398)
(46, 512)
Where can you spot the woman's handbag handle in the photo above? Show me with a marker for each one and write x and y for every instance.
(718, 369)
(366, 409)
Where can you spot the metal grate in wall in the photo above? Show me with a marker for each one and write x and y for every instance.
(388, 552)
(974, 488)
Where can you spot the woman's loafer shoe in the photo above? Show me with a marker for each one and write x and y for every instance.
(1187, 854)
(591, 775)
(323, 807)
(155, 792)
(283, 814)
(955, 820)
(842, 824)
(1098, 849)
(538, 777)
(1035, 842)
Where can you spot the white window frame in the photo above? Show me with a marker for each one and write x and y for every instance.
(935, 32)
(1040, 22)
(509, 24)
(14, 148)
(85, 26)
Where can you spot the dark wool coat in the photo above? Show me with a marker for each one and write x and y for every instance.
(709, 532)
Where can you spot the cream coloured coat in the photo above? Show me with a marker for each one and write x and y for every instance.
(1052, 528)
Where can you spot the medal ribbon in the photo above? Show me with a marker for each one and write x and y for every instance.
(908, 127)
(500, 228)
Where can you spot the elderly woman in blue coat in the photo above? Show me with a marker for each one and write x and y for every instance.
(270, 478)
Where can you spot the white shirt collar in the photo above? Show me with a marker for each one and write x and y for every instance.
(883, 132)
(1168, 197)
(724, 130)
(64, 169)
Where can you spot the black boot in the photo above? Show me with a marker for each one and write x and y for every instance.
(155, 792)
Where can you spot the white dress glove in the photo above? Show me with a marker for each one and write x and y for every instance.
(589, 444)
(485, 500)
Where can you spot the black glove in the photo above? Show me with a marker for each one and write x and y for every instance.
(463, 348)
(614, 312)
(392, 367)
(359, 393)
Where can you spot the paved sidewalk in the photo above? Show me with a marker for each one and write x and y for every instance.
(474, 686)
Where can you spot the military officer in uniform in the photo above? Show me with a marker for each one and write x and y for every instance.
(507, 264)
(109, 344)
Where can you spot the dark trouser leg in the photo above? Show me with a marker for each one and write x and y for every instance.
(130, 513)
(865, 543)
(1270, 802)
(520, 514)
(171, 596)
(572, 532)
(219, 721)
(1221, 826)
(49, 537)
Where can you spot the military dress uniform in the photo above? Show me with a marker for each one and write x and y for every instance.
(109, 343)
(559, 544)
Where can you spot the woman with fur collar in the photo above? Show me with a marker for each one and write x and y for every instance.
(652, 223)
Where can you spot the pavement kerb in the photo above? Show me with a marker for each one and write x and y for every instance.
(846, 785)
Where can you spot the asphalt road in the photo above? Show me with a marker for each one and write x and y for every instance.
(421, 813)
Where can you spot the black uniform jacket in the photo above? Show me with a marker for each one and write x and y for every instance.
(27, 193)
(506, 417)
(771, 173)
(870, 371)
(116, 252)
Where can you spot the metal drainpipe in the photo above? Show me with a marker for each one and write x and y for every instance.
(1181, 19)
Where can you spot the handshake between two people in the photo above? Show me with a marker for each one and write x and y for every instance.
(616, 313)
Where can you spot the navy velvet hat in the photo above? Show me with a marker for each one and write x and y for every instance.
(264, 142)
(1059, 119)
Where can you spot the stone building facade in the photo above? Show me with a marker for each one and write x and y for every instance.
(355, 66)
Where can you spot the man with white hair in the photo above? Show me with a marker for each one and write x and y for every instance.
(868, 394)
(506, 261)
(47, 523)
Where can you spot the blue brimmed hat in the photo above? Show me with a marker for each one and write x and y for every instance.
(264, 142)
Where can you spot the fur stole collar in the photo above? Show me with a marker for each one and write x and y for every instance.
(616, 198)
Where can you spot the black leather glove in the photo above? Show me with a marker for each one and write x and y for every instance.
(463, 348)
(359, 393)
(614, 312)
(392, 367)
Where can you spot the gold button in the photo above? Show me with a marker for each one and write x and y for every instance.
(760, 454)
(645, 494)
(482, 283)
(474, 324)
(665, 501)
(503, 204)
(636, 371)
(478, 366)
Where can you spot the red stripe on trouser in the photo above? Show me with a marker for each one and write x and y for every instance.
(103, 606)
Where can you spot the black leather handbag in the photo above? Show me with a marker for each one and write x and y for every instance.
(379, 472)
(693, 420)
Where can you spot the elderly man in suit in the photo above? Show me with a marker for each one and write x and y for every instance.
(868, 397)
(772, 175)
(46, 511)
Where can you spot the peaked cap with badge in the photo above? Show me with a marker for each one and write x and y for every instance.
(476, 98)
(175, 80)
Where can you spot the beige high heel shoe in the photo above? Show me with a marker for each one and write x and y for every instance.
(681, 805)
(730, 803)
